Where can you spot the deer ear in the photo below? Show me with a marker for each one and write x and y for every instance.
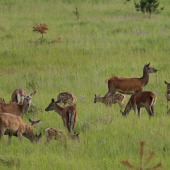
(30, 120)
(77, 134)
(52, 100)
(166, 82)
(148, 65)
(74, 132)
(32, 94)
(38, 121)
(3, 99)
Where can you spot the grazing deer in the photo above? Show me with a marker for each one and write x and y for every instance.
(167, 93)
(68, 114)
(13, 125)
(111, 99)
(129, 85)
(66, 97)
(15, 108)
(145, 99)
(52, 133)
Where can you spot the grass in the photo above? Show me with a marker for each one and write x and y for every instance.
(102, 43)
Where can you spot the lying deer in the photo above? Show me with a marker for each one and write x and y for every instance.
(68, 114)
(111, 99)
(13, 125)
(18, 96)
(145, 99)
(129, 85)
(66, 97)
(167, 93)
(15, 108)
(52, 133)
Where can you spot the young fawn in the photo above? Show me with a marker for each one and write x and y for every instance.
(66, 97)
(145, 99)
(13, 125)
(52, 133)
(111, 99)
(68, 114)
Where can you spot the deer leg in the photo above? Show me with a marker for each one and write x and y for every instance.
(2, 131)
(148, 110)
(19, 134)
(120, 104)
(135, 109)
(139, 111)
(9, 139)
(152, 109)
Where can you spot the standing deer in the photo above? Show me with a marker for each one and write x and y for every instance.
(145, 99)
(52, 133)
(66, 97)
(13, 125)
(167, 93)
(68, 114)
(111, 99)
(15, 108)
(129, 85)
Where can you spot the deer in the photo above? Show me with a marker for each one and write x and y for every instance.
(52, 133)
(129, 85)
(138, 100)
(18, 96)
(13, 125)
(66, 97)
(111, 99)
(15, 108)
(167, 93)
(68, 114)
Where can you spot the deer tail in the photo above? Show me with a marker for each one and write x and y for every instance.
(106, 81)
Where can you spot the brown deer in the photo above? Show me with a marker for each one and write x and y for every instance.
(129, 85)
(68, 114)
(66, 97)
(15, 108)
(52, 133)
(13, 125)
(167, 93)
(145, 99)
(18, 96)
(111, 99)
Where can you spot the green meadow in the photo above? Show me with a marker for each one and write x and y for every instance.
(110, 38)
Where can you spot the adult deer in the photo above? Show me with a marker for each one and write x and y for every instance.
(13, 125)
(111, 99)
(18, 96)
(145, 99)
(167, 93)
(52, 133)
(129, 85)
(15, 108)
(68, 114)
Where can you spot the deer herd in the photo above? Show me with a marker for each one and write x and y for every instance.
(11, 123)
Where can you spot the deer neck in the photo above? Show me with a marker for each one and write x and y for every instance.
(24, 107)
(145, 77)
(100, 99)
(58, 109)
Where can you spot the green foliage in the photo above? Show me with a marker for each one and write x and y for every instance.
(148, 6)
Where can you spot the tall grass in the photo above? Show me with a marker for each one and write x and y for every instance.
(102, 43)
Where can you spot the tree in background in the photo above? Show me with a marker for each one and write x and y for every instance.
(148, 6)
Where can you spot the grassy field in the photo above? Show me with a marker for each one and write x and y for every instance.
(103, 42)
